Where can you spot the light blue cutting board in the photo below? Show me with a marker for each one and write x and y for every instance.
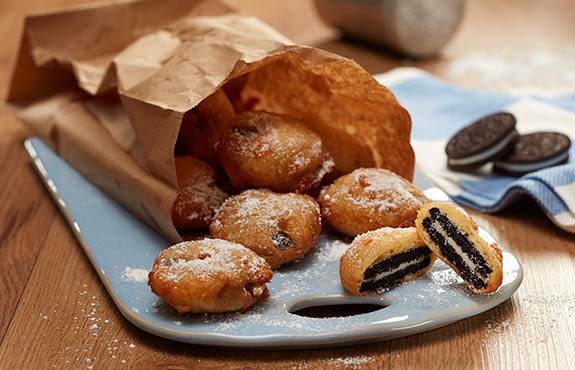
(116, 242)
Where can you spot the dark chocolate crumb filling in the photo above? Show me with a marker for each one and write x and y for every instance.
(394, 278)
(281, 240)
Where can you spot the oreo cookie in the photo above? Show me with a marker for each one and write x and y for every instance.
(484, 140)
(534, 152)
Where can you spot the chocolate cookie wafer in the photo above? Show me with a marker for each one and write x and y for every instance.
(485, 139)
(533, 152)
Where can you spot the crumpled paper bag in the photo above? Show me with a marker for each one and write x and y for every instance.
(107, 87)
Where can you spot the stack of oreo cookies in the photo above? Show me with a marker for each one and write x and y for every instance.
(494, 138)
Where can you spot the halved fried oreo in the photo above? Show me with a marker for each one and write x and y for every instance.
(384, 258)
(453, 237)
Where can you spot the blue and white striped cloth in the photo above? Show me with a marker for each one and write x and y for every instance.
(438, 110)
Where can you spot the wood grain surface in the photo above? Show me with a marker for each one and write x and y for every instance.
(55, 313)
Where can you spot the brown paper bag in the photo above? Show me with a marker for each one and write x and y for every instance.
(107, 87)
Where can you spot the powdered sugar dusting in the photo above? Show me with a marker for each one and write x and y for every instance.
(331, 251)
(135, 274)
(446, 277)
(202, 194)
(260, 205)
(352, 362)
(256, 316)
(384, 193)
(370, 189)
(213, 257)
(262, 209)
(199, 194)
(100, 346)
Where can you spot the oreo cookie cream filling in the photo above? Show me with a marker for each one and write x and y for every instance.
(390, 271)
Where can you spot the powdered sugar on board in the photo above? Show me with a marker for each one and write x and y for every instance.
(332, 250)
(135, 275)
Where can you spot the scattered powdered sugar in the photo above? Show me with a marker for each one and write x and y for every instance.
(352, 362)
(85, 317)
(445, 277)
(497, 327)
(297, 288)
(348, 362)
(135, 274)
(300, 161)
(332, 250)
(256, 316)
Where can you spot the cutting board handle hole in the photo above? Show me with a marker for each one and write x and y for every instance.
(322, 308)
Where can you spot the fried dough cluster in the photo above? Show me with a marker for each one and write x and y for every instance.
(248, 175)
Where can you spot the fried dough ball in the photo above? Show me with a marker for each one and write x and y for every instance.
(209, 275)
(199, 194)
(279, 227)
(261, 149)
(368, 199)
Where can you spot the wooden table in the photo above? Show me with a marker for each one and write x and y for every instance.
(50, 296)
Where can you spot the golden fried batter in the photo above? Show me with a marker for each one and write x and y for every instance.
(209, 275)
(199, 194)
(279, 227)
(261, 149)
(370, 198)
